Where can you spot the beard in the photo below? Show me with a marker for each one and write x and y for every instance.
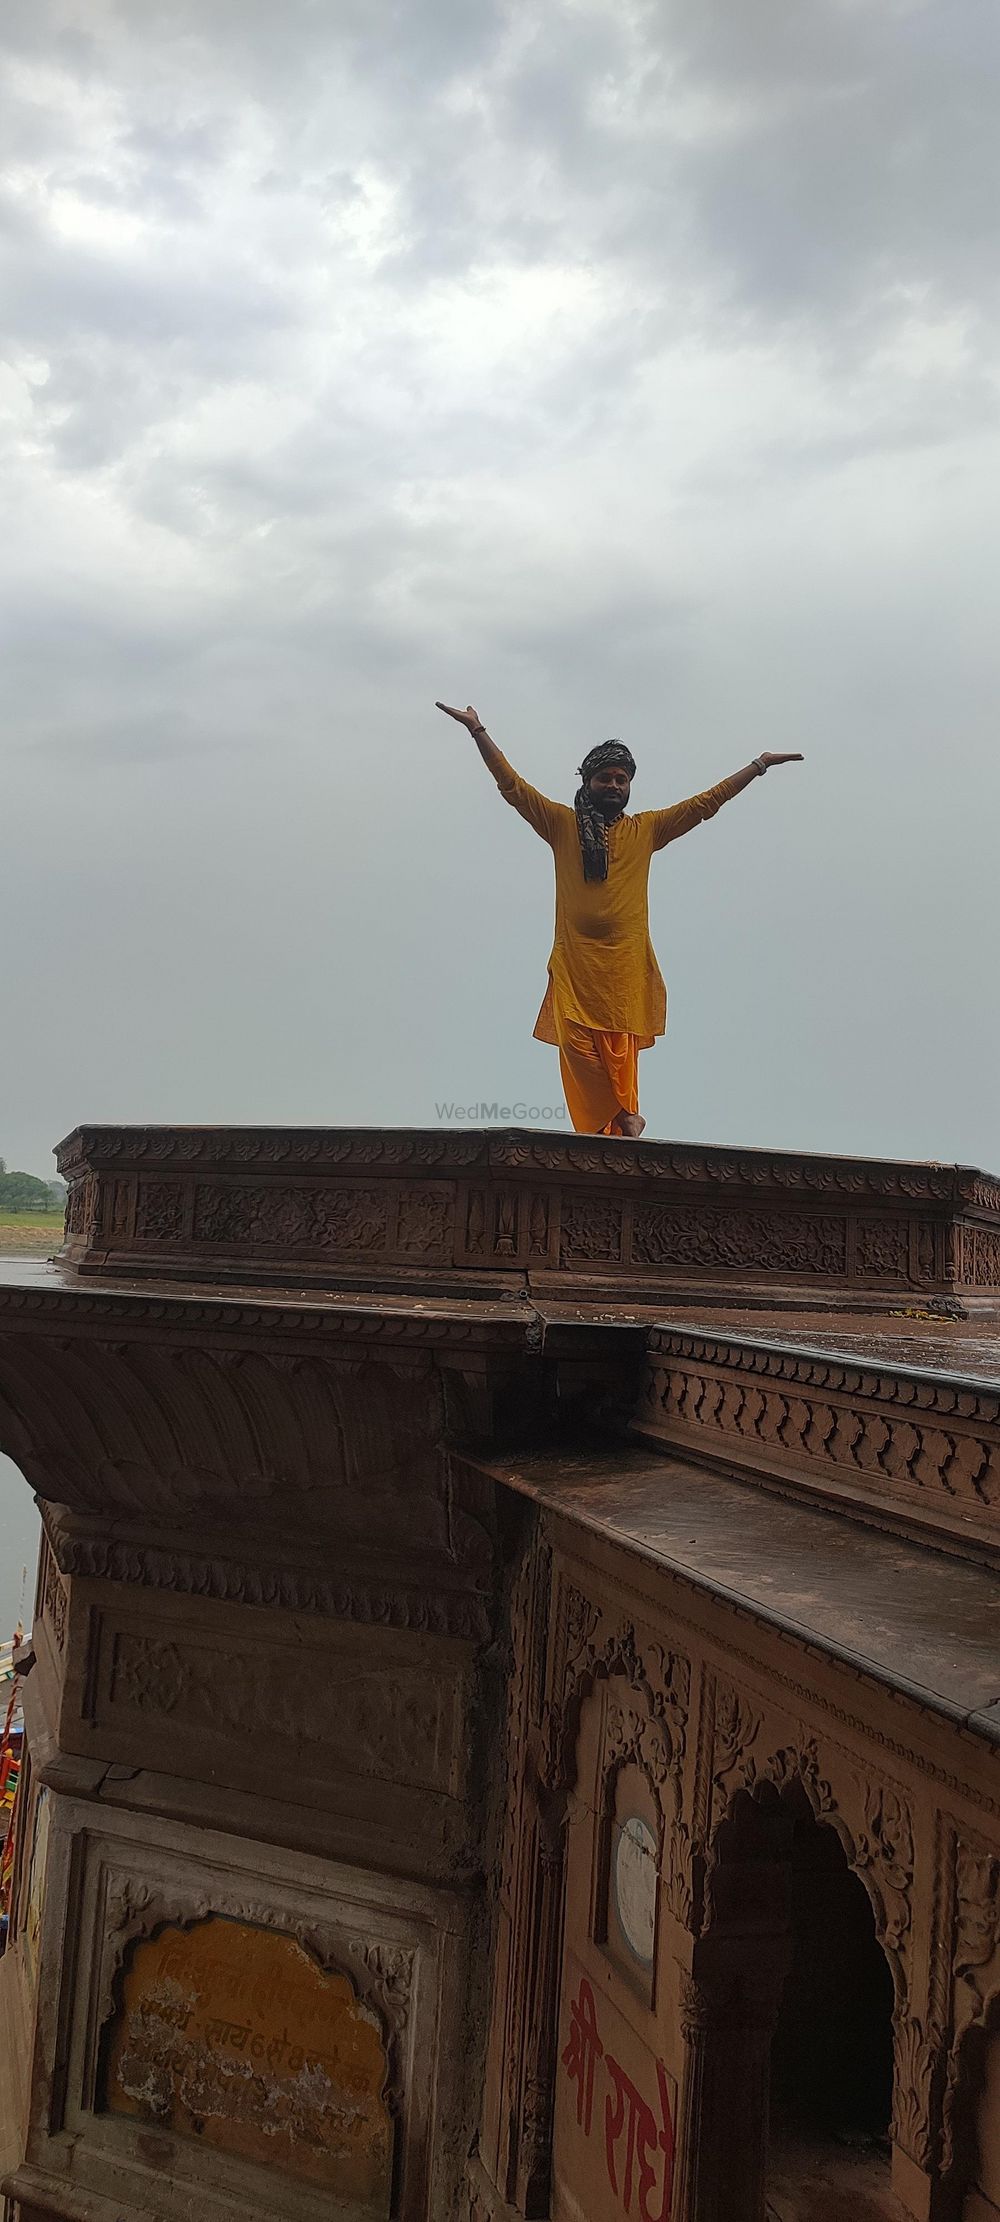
(610, 806)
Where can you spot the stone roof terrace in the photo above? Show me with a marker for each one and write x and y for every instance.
(773, 1378)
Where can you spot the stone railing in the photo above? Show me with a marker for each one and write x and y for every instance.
(909, 1447)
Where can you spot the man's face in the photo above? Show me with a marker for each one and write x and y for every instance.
(610, 789)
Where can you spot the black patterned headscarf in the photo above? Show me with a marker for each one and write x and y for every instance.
(591, 822)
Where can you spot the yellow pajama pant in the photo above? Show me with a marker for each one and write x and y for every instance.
(600, 1076)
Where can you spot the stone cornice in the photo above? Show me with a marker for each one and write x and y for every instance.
(336, 1590)
(462, 1329)
(930, 1390)
(317, 1149)
(313, 1149)
(899, 1446)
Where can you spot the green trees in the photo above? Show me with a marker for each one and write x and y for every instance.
(22, 1192)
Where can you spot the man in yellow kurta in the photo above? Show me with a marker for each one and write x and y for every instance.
(605, 998)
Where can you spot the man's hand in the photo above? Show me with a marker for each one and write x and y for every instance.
(767, 758)
(473, 724)
(468, 717)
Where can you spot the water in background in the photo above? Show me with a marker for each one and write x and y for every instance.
(19, 1532)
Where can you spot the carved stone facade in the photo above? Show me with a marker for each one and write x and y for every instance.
(260, 1692)
(485, 1650)
(738, 1736)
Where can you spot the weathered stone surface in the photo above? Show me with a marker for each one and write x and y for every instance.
(234, 2035)
(423, 1605)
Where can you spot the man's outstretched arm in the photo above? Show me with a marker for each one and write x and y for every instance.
(681, 816)
(492, 757)
(536, 808)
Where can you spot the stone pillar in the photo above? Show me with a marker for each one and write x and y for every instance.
(729, 2006)
(534, 2153)
(261, 1733)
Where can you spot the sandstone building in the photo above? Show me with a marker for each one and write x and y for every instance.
(511, 1716)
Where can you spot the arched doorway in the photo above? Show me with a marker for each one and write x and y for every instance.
(829, 2153)
(788, 2084)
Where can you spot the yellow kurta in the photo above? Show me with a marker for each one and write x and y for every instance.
(603, 971)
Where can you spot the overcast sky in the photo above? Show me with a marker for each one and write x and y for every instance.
(623, 369)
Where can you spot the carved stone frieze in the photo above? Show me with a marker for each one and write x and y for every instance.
(538, 1225)
(388, 1722)
(720, 1169)
(119, 1203)
(504, 1226)
(981, 1257)
(882, 1249)
(592, 1230)
(348, 1218)
(425, 1221)
(160, 1211)
(516, 1150)
(740, 1241)
(519, 1202)
(264, 1147)
(353, 1594)
(461, 1341)
(148, 1675)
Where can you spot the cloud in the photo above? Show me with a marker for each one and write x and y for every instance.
(630, 367)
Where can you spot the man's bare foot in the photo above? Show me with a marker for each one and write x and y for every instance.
(629, 1125)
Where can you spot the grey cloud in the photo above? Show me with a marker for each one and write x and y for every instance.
(623, 367)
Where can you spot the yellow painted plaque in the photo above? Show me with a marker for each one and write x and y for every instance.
(235, 2036)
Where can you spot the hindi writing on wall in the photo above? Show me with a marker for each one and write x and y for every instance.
(235, 2035)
